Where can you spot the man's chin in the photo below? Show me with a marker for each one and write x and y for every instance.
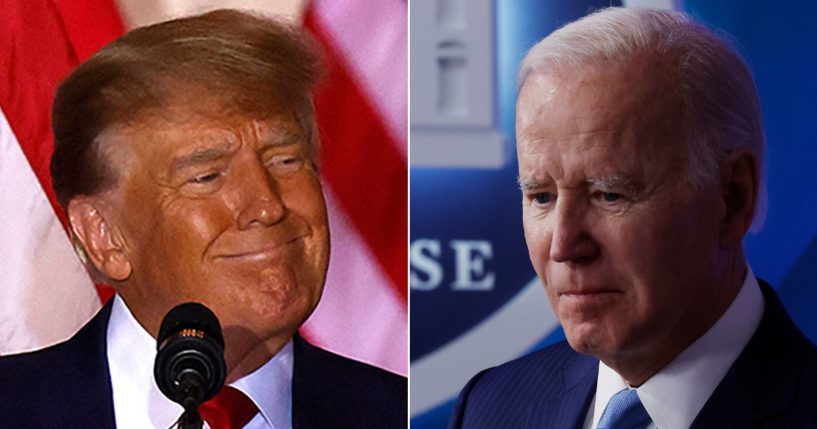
(588, 339)
(258, 327)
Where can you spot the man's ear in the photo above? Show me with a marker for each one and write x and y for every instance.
(740, 181)
(96, 240)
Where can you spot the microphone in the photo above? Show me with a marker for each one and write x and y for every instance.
(189, 367)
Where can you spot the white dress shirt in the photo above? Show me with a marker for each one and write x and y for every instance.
(138, 403)
(674, 396)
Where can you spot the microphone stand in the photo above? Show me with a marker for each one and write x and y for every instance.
(190, 384)
(190, 419)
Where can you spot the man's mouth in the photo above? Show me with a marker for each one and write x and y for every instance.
(587, 296)
(270, 251)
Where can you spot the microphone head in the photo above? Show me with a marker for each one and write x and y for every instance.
(190, 315)
(190, 367)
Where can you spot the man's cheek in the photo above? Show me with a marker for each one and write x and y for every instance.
(201, 221)
(200, 225)
(538, 241)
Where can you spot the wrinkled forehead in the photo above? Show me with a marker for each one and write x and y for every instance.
(636, 95)
(608, 118)
(157, 136)
(210, 113)
(208, 120)
(181, 103)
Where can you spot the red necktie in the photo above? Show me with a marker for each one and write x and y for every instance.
(230, 409)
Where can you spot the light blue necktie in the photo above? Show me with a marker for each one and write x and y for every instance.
(624, 411)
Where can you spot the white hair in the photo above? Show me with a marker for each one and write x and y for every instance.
(721, 108)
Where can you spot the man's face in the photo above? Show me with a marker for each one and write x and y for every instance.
(228, 212)
(626, 250)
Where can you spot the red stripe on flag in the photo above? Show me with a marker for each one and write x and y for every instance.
(41, 41)
(91, 25)
(36, 55)
(361, 163)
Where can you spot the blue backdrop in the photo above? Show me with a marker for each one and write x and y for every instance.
(482, 207)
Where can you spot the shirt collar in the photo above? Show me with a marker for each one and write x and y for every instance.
(138, 402)
(675, 395)
(270, 387)
(609, 383)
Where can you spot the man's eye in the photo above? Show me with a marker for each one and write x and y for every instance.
(284, 163)
(204, 178)
(542, 197)
(610, 199)
(610, 196)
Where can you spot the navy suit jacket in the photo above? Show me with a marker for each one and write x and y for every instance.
(772, 384)
(68, 386)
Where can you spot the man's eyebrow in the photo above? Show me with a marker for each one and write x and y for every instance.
(282, 139)
(528, 184)
(198, 157)
(606, 182)
(626, 183)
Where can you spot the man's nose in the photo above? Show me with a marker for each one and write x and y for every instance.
(571, 239)
(262, 203)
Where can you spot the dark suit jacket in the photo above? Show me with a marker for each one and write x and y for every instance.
(772, 384)
(68, 386)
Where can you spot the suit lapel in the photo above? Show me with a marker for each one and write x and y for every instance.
(332, 391)
(568, 408)
(580, 382)
(312, 379)
(750, 392)
(78, 393)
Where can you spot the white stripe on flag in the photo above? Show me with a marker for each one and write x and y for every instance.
(45, 293)
(371, 36)
(360, 315)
